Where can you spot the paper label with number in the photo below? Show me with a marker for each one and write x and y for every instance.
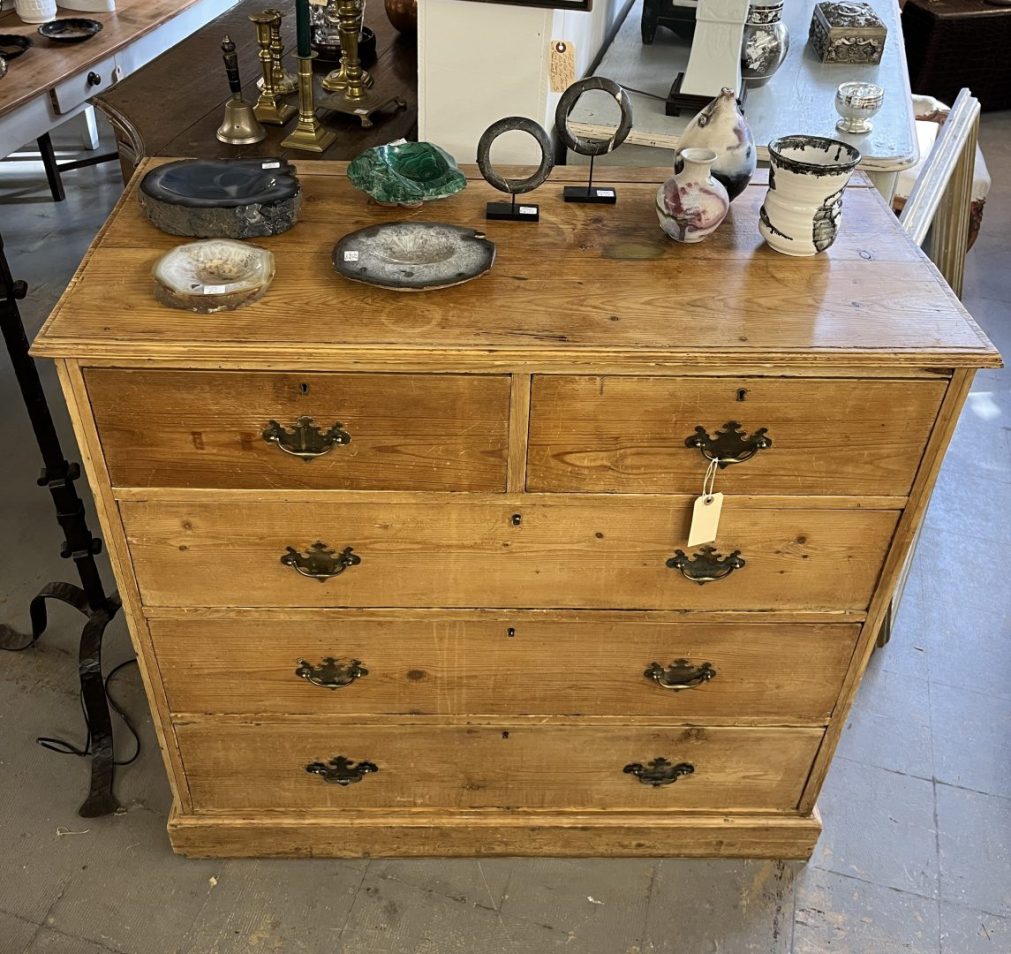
(562, 65)
(705, 519)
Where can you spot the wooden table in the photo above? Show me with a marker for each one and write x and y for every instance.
(511, 509)
(53, 82)
(188, 83)
(800, 97)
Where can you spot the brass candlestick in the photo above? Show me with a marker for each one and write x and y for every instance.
(309, 135)
(355, 100)
(284, 82)
(337, 80)
(269, 108)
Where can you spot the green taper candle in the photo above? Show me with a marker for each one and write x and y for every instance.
(303, 27)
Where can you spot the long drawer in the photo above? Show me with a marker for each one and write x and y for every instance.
(522, 664)
(370, 431)
(510, 551)
(243, 767)
(629, 434)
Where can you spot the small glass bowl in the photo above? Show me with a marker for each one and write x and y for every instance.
(857, 103)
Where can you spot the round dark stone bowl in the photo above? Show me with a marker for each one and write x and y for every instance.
(70, 29)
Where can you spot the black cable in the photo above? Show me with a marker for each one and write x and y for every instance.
(63, 747)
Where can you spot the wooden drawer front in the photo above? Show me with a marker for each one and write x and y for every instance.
(205, 429)
(506, 551)
(81, 87)
(517, 665)
(262, 767)
(627, 434)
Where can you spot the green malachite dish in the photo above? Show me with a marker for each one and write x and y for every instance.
(406, 173)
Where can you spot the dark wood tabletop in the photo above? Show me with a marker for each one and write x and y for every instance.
(174, 105)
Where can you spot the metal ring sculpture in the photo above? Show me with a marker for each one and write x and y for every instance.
(581, 144)
(522, 124)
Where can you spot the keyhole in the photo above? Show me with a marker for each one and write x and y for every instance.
(303, 388)
(510, 632)
(517, 519)
(742, 393)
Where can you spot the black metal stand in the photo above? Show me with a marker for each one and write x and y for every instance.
(598, 195)
(511, 212)
(58, 475)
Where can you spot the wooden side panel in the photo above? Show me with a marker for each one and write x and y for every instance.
(627, 434)
(204, 429)
(262, 767)
(515, 551)
(350, 834)
(786, 674)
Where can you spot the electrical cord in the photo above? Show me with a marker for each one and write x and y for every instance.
(63, 747)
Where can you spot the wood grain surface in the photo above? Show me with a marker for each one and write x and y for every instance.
(785, 674)
(204, 429)
(262, 767)
(627, 435)
(582, 280)
(185, 122)
(466, 550)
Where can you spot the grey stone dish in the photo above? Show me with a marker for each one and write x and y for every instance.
(70, 29)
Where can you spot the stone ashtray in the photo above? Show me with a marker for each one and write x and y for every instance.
(222, 198)
(406, 173)
(212, 276)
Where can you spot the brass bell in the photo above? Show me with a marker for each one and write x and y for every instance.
(240, 126)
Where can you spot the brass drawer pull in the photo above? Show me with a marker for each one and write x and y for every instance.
(320, 562)
(659, 771)
(731, 445)
(331, 674)
(680, 674)
(706, 566)
(341, 770)
(305, 440)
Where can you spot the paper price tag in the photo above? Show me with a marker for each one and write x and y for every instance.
(528, 210)
(606, 193)
(270, 165)
(705, 519)
(562, 65)
(215, 289)
(350, 256)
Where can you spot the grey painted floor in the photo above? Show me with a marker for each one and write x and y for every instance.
(916, 853)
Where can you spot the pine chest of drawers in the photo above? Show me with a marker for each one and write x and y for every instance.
(456, 612)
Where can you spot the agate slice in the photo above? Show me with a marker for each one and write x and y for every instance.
(222, 198)
(414, 256)
(218, 275)
(406, 173)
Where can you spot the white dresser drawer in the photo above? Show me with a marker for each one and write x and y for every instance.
(71, 93)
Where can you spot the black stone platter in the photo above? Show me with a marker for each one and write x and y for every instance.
(222, 198)
(70, 29)
(414, 256)
(12, 45)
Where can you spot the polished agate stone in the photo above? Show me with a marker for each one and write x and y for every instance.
(406, 173)
(217, 275)
(222, 198)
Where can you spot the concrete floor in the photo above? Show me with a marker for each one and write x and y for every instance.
(916, 853)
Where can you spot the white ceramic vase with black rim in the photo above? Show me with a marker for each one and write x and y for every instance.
(765, 43)
(807, 176)
(721, 126)
(692, 204)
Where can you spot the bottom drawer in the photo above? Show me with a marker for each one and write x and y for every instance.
(240, 767)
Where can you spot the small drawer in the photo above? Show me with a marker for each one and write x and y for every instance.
(97, 78)
(243, 767)
(517, 664)
(640, 434)
(241, 429)
(606, 552)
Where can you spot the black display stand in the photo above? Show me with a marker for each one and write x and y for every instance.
(599, 195)
(89, 599)
(511, 212)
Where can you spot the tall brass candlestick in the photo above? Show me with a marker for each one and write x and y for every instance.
(284, 82)
(269, 108)
(309, 135)
(337, 80)
(355, 100)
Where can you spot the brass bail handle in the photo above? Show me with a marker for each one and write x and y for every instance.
(320, 562)
(331, 673)
(305, 439)
(680, 674)
(341, 770)
(731, 445)
(706, 565)
(659, 771)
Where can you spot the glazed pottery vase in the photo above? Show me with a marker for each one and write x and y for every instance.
(765, 44)
(691, 204)
(807, 175)
(403, 14)
(721, 126)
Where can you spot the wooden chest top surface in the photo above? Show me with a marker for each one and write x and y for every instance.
(587, 283)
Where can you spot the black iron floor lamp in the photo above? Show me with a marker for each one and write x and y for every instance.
(58, 476)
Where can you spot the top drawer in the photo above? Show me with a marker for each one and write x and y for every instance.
(394, 431)
(628, 434)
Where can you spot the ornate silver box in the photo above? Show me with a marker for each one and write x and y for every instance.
(847, 33)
